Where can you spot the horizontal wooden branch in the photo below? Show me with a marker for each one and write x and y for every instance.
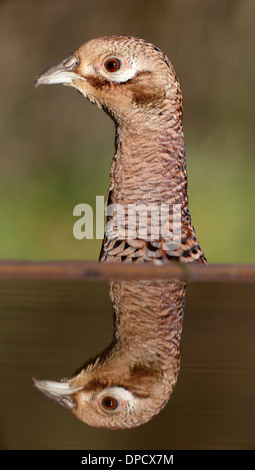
(95, 271)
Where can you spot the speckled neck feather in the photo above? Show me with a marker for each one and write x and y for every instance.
(149, 167)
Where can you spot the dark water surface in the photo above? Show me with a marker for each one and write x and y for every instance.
(49, 328)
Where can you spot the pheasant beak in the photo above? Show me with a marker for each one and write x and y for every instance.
(58, 391)
(60, 73)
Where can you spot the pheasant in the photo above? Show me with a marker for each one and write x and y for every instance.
(132, 380)
(135, 83)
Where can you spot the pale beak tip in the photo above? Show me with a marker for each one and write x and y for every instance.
(34, 382)
(57, 391)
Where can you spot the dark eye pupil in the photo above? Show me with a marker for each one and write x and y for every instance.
(109, 403)
(112, 65)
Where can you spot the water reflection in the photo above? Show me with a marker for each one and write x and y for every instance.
(134, 377)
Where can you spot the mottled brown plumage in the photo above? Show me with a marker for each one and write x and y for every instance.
(143, 96)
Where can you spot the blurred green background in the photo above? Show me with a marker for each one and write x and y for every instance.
(56, 147)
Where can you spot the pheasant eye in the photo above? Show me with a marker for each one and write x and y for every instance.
(109, 403)
(112, 65)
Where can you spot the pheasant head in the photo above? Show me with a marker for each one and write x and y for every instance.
(124, 75)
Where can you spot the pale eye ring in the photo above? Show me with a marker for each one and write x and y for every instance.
(109, 403)
(112, 64)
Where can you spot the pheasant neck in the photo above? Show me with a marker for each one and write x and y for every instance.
(148, 174)
(148, 322)
(149, 163)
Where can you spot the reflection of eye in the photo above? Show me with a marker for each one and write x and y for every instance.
(109, 403)
(112, 65)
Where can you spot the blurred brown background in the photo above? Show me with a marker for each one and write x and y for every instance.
(56, 148)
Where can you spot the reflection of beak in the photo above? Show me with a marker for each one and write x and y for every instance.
(60, 73)
(57, 391)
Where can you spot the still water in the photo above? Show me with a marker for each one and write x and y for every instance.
(49, 328)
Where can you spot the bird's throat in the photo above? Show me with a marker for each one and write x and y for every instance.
(149, 162)
(148, 196)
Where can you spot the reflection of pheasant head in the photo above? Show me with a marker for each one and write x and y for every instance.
(134, 377)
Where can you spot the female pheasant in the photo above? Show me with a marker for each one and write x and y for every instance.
(135, 83)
